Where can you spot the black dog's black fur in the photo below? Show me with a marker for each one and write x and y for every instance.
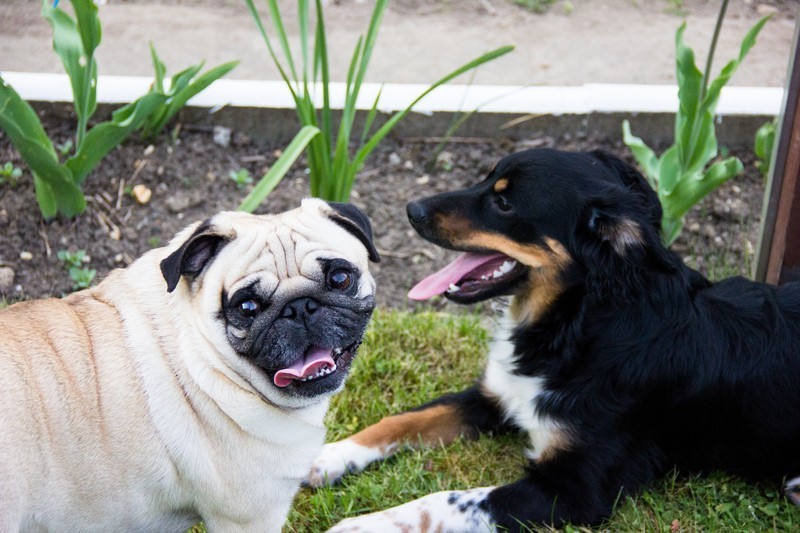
(648, 365)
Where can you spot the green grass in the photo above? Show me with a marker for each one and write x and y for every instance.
(408, 359)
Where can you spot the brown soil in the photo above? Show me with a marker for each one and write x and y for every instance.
(189, 180)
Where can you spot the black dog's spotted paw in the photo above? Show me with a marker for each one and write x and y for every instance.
(792, 490)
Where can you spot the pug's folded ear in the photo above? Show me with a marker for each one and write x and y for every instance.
(193, 255)
(356, 222)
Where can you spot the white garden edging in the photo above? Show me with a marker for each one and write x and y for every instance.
(536, 100)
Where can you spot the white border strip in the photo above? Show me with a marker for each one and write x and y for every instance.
(544, 100)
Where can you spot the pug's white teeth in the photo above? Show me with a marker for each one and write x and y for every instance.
(320, 373)
(453, 288)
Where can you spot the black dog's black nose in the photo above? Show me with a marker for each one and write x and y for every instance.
(416, 213)
(300, 308)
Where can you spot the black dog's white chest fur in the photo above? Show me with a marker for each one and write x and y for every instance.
(518, 394)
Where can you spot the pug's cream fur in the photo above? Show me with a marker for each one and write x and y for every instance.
(124, 408)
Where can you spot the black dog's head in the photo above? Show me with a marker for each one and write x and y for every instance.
(539, 220)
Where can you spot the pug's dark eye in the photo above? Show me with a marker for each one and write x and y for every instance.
(340, 279)
(502, 203)
(248, 308)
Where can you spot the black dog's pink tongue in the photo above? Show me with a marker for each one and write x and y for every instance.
(439, 282)
(304, 367)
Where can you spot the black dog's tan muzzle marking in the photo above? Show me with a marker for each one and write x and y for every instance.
(546, 262)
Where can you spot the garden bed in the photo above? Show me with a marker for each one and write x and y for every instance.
(189, 180)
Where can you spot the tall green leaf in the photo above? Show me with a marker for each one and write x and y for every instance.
(389, 125)
(105, 136)
(88, 23)
(75, 43)
(647, 159)
(182, 87)
(681, 176)
(279, 169)
(159, 68)
(332, 167)
(55, 188)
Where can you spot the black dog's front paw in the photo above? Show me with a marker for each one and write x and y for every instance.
(792, 490)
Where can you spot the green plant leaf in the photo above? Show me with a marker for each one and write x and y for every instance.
(389, 125)
(182, 79)
(715, 88)
(670, 171)
(646, 158)
(78, 61)
(105, 136)
(670, 229)
(159, 68)
(331, 169)
(690, 90)
(279, 169)
(283, 39)
(321, 69)
(763, 142)
(55, 188)
(88, 24)
(704, 146)
(695, 187)
(46, 198)
(281, 31)
(182, 89)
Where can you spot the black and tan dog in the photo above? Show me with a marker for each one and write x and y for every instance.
(620, 362)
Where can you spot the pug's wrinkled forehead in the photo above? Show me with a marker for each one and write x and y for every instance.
(280, 252)
(299, 243)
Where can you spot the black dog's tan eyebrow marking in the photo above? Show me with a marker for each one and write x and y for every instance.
(500, 185)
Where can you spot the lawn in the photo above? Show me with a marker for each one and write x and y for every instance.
(408, 359)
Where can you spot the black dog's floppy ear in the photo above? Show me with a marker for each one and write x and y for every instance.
(610, 221)
(636, 183)
(193, 255)
(356, 222)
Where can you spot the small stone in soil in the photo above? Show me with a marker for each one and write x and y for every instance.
(6, 277)
(142, 194)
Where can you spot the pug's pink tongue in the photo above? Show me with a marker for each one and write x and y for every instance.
(438, 282)
(304, 367)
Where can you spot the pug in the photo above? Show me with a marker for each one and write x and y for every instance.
(189, 386)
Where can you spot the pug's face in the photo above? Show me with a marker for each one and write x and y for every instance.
(285, 298)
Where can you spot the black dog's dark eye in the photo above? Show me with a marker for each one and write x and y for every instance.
(340, 279)
(249, 308)
(502, 203)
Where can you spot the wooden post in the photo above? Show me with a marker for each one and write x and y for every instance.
(778, 259)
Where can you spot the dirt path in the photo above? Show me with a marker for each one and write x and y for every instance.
(603, 41)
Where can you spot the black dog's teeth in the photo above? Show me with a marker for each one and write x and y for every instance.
(501, 271)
